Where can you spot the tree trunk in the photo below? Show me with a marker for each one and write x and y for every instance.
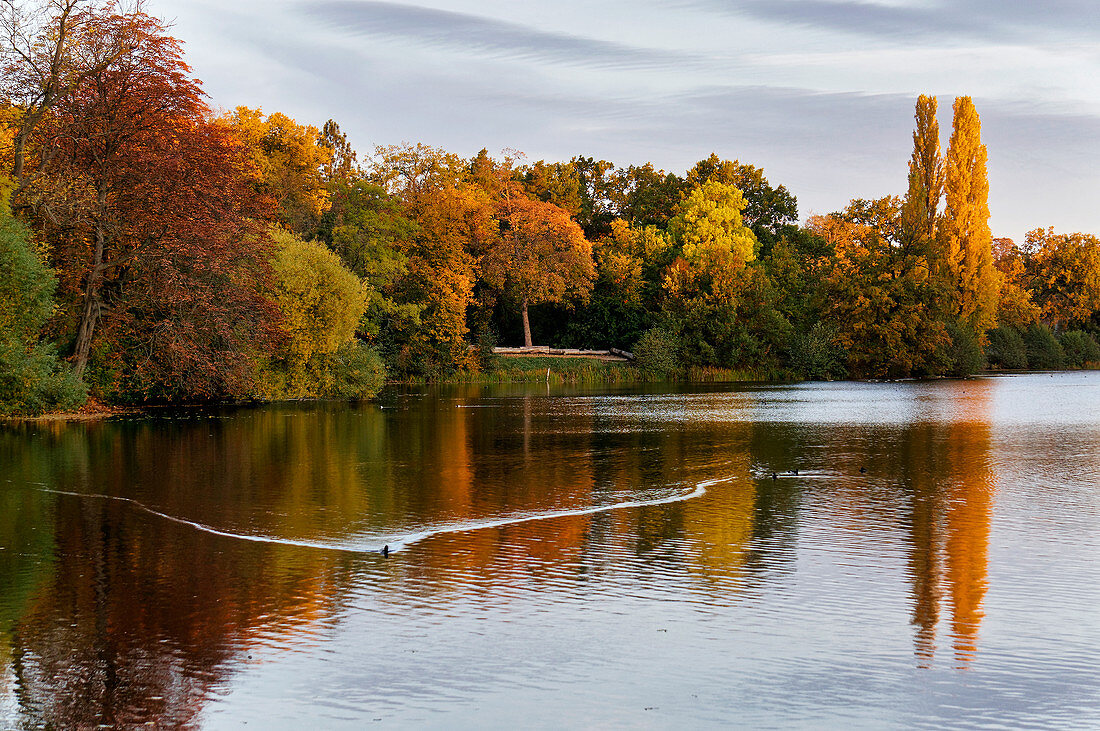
(88, 318)
(90, 312)
(526, 326)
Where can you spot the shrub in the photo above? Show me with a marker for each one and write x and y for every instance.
(358, 372)
(658, 351)
(815, 354)
(1043, 350)
(33, 381)
(1006, 348)
(322, 303)
(965, 354)
(1079, 347)
(32, 378)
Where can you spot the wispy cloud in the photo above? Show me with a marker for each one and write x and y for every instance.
(485, 37)
(946, 20)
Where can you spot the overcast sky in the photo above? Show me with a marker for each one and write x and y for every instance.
(819, 93)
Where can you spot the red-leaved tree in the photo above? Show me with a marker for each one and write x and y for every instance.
(165, 258)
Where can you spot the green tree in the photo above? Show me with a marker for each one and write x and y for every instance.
(1044, 352)
(364, 226)
(31, 377)
(556, 183)
(646, 196)
(341, 164)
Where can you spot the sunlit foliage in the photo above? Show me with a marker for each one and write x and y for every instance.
(321, 304)
(964, 255)
(182, 256)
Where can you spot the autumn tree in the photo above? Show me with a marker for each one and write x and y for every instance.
(49, 50)
(768, 211)
(926, 177)
(292, 160)
(541, 255)
(879, 307)
(708, 227)
(721, 306)
(160, 243)
(963, 257)
(454, 223)
(1064, 276)
(1016, 307)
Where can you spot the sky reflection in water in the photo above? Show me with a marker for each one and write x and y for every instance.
(953, 580)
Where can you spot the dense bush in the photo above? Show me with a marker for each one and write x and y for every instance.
(32, 379)
(1006, 348)
(1079, 347)
(965, 355)
(658, 351)
(322, 303)
(357, 372)
(1043, 350)
(816, 356)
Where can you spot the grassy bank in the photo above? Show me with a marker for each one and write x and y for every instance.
(534, 369)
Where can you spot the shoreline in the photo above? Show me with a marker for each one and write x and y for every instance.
(98, 411)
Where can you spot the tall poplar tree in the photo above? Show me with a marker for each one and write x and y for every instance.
(922, 201)
(965, 256)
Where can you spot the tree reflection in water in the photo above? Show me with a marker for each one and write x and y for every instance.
(115, 616)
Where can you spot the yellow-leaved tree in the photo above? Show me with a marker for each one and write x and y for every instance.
(922, 201)
(964, 256)
(321, 302)
(1064, 271)
(709, 229)
(290, 160)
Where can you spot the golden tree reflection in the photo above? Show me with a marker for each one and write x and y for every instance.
(952, 485)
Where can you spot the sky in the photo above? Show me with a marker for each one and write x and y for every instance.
(818, 93)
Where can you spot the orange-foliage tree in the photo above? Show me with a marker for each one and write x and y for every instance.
(291, 162)
(541, 255)
(453, 224)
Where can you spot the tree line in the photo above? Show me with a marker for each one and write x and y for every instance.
(156, 250)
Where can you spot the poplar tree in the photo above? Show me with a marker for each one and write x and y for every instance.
(922, 201)
(965, 256)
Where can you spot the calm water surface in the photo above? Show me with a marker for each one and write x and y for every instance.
(926, 554)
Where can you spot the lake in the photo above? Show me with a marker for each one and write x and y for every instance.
(917, 554)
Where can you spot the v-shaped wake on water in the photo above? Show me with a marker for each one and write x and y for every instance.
(397, 542)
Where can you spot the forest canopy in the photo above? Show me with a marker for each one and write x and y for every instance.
(154, 250)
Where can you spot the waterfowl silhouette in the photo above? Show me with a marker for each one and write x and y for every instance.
(862, 470)
(385, 551)
(774, 477)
